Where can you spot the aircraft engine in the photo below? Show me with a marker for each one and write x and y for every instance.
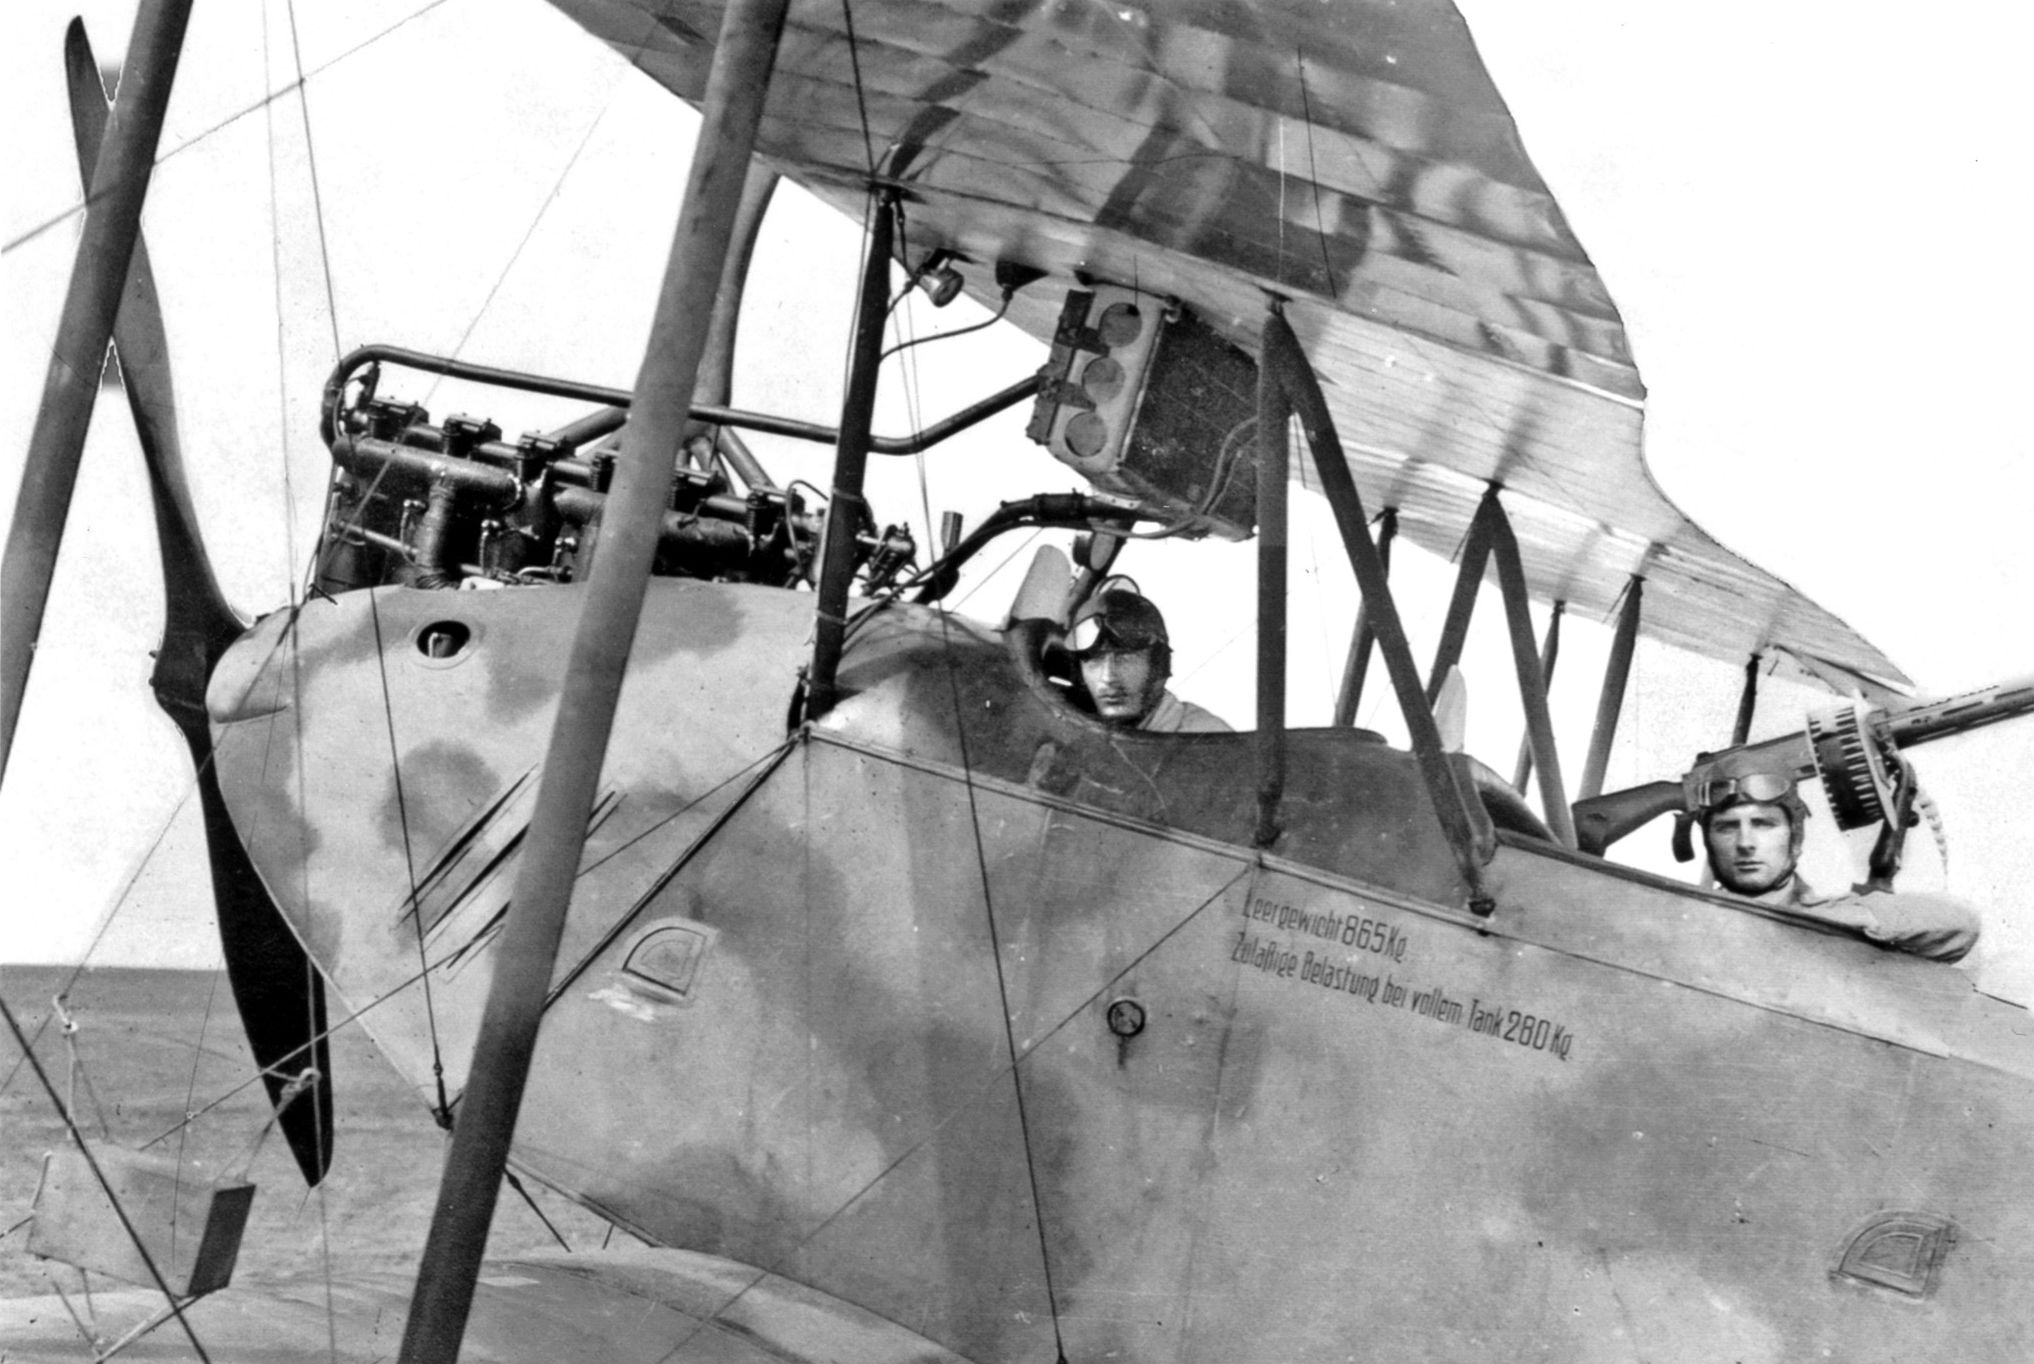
(450, 504)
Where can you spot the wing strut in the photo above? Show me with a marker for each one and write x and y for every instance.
(716, 367)
(1463, 818)
(1469, 568)
(527, 951)
(1365, 636)
(1550, 653)
(1532, 678)
(98, 279)
(1610, 702)
(1274, 419)
(1747, 703)
(850, 464)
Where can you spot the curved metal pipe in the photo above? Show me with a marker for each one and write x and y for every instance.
(1067, 511)
(342, 374)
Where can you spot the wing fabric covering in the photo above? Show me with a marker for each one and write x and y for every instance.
(1353, 158)
(619, 1307)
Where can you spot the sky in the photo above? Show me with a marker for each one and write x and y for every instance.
(1811, 223)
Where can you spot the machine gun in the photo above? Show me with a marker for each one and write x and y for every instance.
(1854, 752)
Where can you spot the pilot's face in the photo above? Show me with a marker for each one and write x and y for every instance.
(1123, 682)
(1751, 847)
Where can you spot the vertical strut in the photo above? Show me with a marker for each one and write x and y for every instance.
(1747, 702)
(526, 953)
(1274, 417)
(1610, 701)
(1463, 819)
(850, 463)
(1462, 605)
(716, 367)
(1550, 653)
(1350, 695)
(98, 279)
(1532, 681)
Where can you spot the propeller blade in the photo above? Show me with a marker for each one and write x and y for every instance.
(280, 995)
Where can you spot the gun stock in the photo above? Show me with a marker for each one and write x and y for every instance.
(1601, 820)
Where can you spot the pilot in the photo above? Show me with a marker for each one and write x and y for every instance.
(1118, 638)
(1753, 822)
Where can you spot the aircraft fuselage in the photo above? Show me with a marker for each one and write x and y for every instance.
(965, 1008)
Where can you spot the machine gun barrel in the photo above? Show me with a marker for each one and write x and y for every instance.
(1601, 820)
(1958, 714)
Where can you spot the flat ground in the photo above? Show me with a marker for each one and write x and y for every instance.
(153, 1045)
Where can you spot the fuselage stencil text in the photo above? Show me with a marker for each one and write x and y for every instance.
(1271, 942)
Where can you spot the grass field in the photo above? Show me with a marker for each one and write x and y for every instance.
(153, 1045)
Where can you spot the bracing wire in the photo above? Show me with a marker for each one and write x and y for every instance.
(296, 657)
(289, 502)
(281, 327)
(966, 1102)
(981, 859)
(76, 1073)
(989, 321)
(324, 252)
(271, 97)
(190, 1094)
(1002, 983)
(317, 188)
(517, 1185)
(332, 1029)
(289, 634)
(650, 26)
(1281, 200)
(141, 865)
(1001, 564)
(330, 543)
(85, 1149)
(395, 757)
(960, 730)
(1314, 176)
(443, 1110)
(847, 14)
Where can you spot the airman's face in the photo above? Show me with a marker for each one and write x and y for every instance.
(1751, 847)
(1123, 683)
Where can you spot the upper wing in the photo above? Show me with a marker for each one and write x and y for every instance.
(1350, 156)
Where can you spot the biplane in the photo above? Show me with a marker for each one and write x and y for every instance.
(663, 825)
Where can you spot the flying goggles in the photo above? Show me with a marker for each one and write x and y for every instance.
(1763, 787)
(1116, 617)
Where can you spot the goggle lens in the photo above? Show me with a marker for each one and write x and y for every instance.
(1763, 787)
(1101, 629)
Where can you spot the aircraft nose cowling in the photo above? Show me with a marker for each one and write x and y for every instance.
(232, 693)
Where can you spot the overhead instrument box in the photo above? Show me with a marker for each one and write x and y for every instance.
(1150, 403)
